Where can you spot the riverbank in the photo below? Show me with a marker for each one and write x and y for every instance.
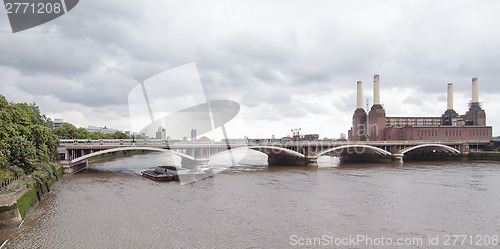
(484, 156)
(15, 206)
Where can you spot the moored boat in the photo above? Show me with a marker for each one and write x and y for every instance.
(157, 176)
(179, 174)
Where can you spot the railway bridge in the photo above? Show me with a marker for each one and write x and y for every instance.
(75, 153)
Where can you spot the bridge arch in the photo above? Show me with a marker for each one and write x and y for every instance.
(270, 150)
(101, 152)
(376, 150)
(442, 147)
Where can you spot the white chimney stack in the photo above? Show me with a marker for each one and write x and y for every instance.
(450, 96)
(475, 90)
(360, 95)
(376, 90)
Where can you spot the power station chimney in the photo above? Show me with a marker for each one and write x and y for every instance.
(376, 90)
(475, 90)
(450, 115)
(360, 95)
(450, 96)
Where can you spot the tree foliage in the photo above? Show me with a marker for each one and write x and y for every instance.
(25, 137)
(27, 142)
(69, 131)
(22, 153)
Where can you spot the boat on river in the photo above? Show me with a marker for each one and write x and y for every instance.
(179, 174)
(157, 176)
(172, 173)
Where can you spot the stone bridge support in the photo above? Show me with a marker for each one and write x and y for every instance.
(201, 158)
(309, 157)
(286, 160)
(71, 168)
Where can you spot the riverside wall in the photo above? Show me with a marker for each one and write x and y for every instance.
(15, 206)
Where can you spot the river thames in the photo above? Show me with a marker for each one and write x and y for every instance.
(420, 205)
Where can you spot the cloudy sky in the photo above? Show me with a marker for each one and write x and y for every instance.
(289, 64)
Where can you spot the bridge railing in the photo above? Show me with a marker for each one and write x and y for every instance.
(65, 142)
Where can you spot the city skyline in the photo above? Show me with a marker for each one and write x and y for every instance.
(296, 66)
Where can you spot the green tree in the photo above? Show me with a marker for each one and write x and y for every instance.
(6, 129)
(81, 133)
(45, 142)
(66, 131)
(120, 135)
(22, 123)
(22, 153)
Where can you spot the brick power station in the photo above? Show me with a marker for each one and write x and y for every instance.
(451, 126)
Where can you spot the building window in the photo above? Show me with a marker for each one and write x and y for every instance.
(446, 133)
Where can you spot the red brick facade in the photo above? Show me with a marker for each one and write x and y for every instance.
(449, 127)
(440, 133)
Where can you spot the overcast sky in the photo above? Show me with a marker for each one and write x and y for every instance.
(289, 64)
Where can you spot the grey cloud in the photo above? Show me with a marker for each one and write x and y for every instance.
(259, 53)
(90, 90)
(413, 100)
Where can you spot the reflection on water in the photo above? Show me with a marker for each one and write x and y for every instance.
(251, 205)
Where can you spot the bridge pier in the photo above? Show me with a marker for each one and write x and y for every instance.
(70, 168)
(397, 157)
(311, 161)
(194, 164)
(200, 159)
(281, 160)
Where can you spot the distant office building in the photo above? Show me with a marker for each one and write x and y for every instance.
(57, 123)
(161, 134)
(103, 130)
(310, 137)
(193, 135)
(375, 126)
(343, 136)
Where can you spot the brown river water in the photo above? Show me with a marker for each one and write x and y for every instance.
(251, 205)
